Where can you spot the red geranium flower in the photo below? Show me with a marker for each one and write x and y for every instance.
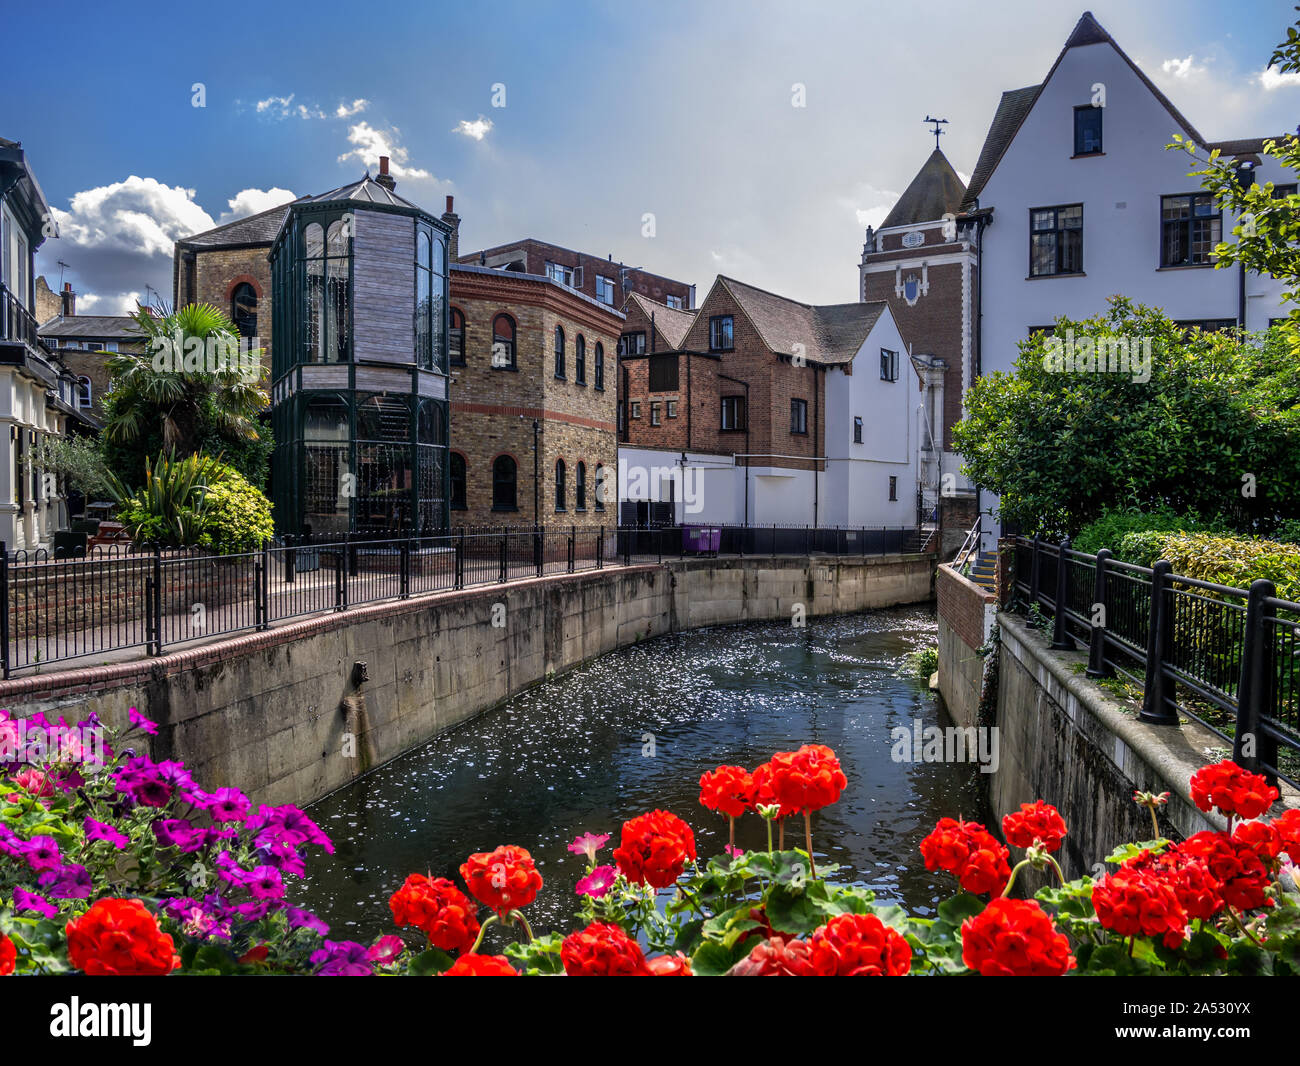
(669, 966)
(1287, 827)
(654, 848)
(777, 957)
(1232, 790)
(1014, 938)
(859, 945)
(727, 790)
(602, 950)
(970, 853)
(439, 909)
(504, 879)
(764, 792)
(1243, 876)
(808, 779)
(1197, 889)
(1260, 837)
(119, 937)
(1037, 821)
(8, 956)
(481, 966)
(1139, 903)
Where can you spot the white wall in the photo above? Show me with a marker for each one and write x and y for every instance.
(1120, 192)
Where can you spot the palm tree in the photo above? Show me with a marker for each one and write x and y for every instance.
(165, 387)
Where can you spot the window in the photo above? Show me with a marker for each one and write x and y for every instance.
(888, 365)
(570, 276)
(243, 309)
(326, 263)
(1087, 129)
(636, 409)
(580, 488)
(673, 301)
(654, 412)
(733, 412)
(720, 333)
(670, 408)
(580, 360)
(799, 416)
(110, 346)
(857, 429)
(504, 484)
(1055, 240)
(559, 485)
(84, 397)
(600, 487)
(633, 343)
(559, 352)
(430, 298)
(605, 290)
(503, 342)
(1190, 227)
(600, 367)
(893, 488)
(457, 481)
(663, 373)
(1281, 192)
(456, 339)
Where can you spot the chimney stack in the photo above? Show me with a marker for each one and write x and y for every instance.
(69, 301)
(385, 179)
(453, 241)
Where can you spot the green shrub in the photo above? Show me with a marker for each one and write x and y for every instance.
(1288, 532)
(1235, 561)
(237, 517)
(1114, 524)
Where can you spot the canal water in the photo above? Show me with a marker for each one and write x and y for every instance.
(633, 731)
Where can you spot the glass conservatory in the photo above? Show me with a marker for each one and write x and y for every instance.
(359, 365)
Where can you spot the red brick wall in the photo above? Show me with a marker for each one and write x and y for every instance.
(961, 605)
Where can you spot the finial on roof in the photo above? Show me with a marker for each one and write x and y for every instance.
(937, 122)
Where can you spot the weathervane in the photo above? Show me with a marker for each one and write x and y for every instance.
(937, 131)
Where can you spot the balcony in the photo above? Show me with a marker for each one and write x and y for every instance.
(19, 344)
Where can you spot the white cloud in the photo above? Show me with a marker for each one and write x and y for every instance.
(477, 129)
(348, 110)
(124, 303)
(869, 204)
(1272, 79)
(1183, 68)
(251, 201)
(371, 143)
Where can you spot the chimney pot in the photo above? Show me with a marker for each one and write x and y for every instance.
(450, 201)
(383, 164)
(384, 178)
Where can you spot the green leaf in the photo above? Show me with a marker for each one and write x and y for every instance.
(962, 906)
(430, 961)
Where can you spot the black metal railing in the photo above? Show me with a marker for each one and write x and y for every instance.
(1227, 657)
(16, 322)
(115, 598)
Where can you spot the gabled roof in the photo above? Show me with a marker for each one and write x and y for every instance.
(260, 228)
(1016, 105)
(831, 334)
(935, 191)
(89, 326)
(671, 322)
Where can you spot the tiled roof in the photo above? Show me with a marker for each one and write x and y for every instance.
(669, 321)
(935, 191)
(1011, 112)
(830, 334)
(89, 326)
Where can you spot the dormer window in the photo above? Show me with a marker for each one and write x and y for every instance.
(1087, 130)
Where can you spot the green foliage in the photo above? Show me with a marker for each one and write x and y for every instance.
(237, 515)
(78, 461)
(1109, 528)
(921, 663)
(1235, 561)
(1219, 412)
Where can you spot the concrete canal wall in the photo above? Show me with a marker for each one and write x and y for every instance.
(287, 716)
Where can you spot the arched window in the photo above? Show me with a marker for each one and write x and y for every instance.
(504, 497)
(600, 366)
(559, 352)
(600, 487)
(580, 360)
(243, 309)
(503, 342)
(456, 340)
(580, 488)
(559, 485)
(84, 393)
(457, 482)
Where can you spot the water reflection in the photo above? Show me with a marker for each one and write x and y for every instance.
(573, 756)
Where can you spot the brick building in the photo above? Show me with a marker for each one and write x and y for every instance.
(763, 410)
(533, 389)
(604, 280)
(84, 343)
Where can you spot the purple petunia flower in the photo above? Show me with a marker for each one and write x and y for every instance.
(597, 883)
(139, 721)
(178, 833)
(67, 882)
(30, 901)
(103, 831)
(41, 852)
(228, 805)
(300, 919)
(265, 883)
(286, 823)
(343, 959)
(386, 949)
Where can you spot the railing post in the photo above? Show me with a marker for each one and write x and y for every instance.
(539, 550)
(340, 564)
(627, 547)
(600, 549)
(404, 569)
(263, 575)
(1035, 570)
(502, 565)
(1154, 692)
(459, 561)
(155, 600)
(1252, 746)
(1060, 638)
(1097, 665)
(773, 540)
(290, 561)
(4, 609)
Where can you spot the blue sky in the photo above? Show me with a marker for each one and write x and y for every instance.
(612, 111)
